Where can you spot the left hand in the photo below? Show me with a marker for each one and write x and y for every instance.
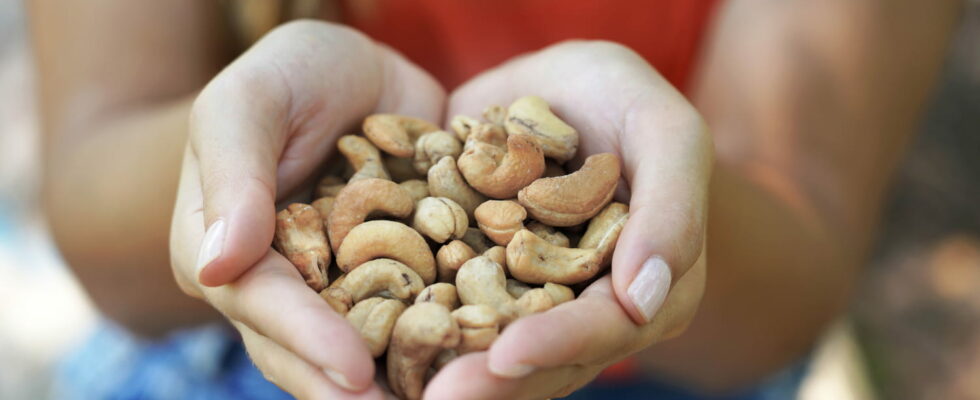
(619, 104)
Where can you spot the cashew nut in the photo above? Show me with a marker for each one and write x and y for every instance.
(421, 333)
(462, 125)
(416, 188)
(498, 254)
(478, 327)
(299, 237)
(534, 301)
(338, 299)
(379, 275)
(500, 219)
(323, 206)
(364, 197)
(450, 257)
(396, 134)
(495, 114)
(433, 146)
(445, 181)
(329, 186)
(516, 288)
(530, 115)
(477, 240)
(499, 175)
(573, 198)
(482, 281)
(440, 293)
(559, 293)
(440, 219)
(389, 239)
(375, 318)
(549, 233)
(604, 229)
(363, 156)
(487, 134)
(401, 169)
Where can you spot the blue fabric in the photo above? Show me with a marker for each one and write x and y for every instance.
(210, 363)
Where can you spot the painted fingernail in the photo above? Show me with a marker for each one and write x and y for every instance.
(214, 239)
(512, 371)
(649, 288)
(339, 379)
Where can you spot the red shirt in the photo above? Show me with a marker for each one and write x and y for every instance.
(456, 39)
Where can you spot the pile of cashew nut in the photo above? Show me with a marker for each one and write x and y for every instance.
(441, 239)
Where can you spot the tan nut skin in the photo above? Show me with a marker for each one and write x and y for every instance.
(416, 188)
(323, 206)
(559, 293)
(375, 319)
(445, 181)
(374, 239)
(516, 288)
(532, 259)
(440, 293)
(376, 276)
(363, 156)
(299, 237)
(338, 299)
(478, 326)
(396, 134)
(329, 186)
(495, 114)
(500, 219)
(421, 333)
(502, 177)
(440, 219)
(531, 116)
(462, 125)
(433, 146)
(498, 254)
(549, 233)
(477, 241)
(571, 199)
(364, 197)
(534, 301)
(482, 281)
(450, 257)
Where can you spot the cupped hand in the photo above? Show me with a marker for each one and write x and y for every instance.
(259, 131)
(619, 104)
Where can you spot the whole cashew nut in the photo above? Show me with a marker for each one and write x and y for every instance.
(363, 156)
(502, 176)
(417, 189)
(500, 219)
(374, 239)
(573, 198)
(549, 233)
(440, 219)
(482, 281)
(380, 275)
(433, 146)
(478, 327)
(604, 229)
(299, 237)
(338, 299)
(440, 293)
(364, 197)
(396, 134)
(445, 181)
(420, 334)
(375, 319)
(450, 257)
(531, 116)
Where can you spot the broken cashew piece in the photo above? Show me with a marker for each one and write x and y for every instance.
(571, 199)
(363, 156)
(478, 327)
(396, 134)
(376, 276)
(482, 281)
(421, 333)
(433, 146)
(364, 197)
(375, 239)
(531, 116)
(374, 319)
(338, 299)
(500, 219)
(445, 181)
(450, 257)
(502, 176)
(299, 236)
(440, 219)
(439, 293)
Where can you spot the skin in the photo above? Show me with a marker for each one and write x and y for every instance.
(810, 106)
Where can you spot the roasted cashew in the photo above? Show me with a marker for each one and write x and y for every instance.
(421, 333)
(462, 125)
(450, 257)
(531, 116)
(416, 188)
(440, 293)
(440, 219)
(482, 281)
(500, 219)
(516, 288)
(363, 156)
(396, 134)
(364, 197)
(401, 169)
(477, 241)
(532, 259)
(388, 239)
(502, 176)
(573, 198)
(380, 275)
(445, 181)
(495, 114)
(323, 206)
(433, 146)
(487, 134)
(534, 301)
(375, 318)
(498, 254)
(299, 236)
(559, 293)
(478, 327)
(329, 186)
(338, 299)
(549, 233)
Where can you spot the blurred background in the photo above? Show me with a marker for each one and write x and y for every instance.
(913, 332)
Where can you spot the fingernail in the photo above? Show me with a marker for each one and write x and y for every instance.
(214, 238)
(649, 288)
(512, 371)
(339, 379)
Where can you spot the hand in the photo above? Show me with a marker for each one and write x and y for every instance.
(258, 131)
(621, 105)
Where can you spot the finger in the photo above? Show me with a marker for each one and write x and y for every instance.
(294, 375)
(467, 378)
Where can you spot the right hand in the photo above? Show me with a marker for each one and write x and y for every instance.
(258, 132)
